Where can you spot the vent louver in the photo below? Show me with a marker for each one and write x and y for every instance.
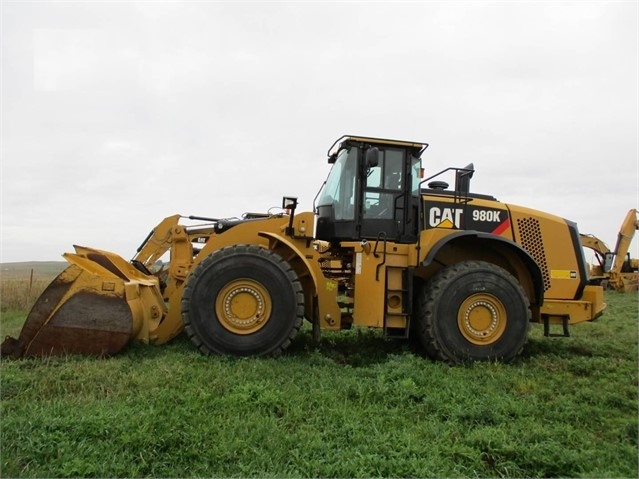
(532, 241)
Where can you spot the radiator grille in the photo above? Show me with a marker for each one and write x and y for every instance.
(532, 241)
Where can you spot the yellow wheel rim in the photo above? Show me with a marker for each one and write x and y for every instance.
(482, 319)
(243, 306)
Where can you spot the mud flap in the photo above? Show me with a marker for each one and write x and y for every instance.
(94, 307)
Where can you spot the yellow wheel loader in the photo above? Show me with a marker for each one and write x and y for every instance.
(459, 271)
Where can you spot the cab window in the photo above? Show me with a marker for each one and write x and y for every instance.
(383, 182)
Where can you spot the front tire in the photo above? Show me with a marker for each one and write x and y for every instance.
(243, 300)
(473, 311)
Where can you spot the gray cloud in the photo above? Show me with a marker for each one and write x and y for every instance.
(116, 114)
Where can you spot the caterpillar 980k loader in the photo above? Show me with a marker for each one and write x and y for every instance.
(462, 272)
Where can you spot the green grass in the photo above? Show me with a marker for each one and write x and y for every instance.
(357, 406)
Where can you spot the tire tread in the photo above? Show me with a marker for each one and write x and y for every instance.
(242, 249)
(434, 289)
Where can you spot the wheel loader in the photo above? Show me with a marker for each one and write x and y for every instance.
(460, 272)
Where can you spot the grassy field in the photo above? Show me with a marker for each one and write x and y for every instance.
(22, 283)
(42, 270)
(357, 406)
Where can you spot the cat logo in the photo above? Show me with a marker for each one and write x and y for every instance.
(444, 217)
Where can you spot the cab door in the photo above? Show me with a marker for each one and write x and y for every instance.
(390, 197)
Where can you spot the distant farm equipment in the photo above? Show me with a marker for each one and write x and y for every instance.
(615, 269)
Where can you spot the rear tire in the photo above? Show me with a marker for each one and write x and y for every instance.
(243, 300)
(473, 311)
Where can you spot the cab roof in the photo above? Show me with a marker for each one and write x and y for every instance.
(335, 147)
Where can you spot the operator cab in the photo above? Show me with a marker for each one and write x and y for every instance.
(372, 191)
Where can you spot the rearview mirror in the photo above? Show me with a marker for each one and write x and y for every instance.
(372, 157)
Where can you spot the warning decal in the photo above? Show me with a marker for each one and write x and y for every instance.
(563, 274)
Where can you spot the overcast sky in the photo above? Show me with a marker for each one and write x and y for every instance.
(117, 114)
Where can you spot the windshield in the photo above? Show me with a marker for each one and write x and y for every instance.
(339, 188)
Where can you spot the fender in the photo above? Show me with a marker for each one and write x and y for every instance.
(527, 259)
(275, 238)
(324, 289)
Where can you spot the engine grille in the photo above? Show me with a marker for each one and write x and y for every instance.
(533, 242)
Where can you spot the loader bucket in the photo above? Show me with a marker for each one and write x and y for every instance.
(94, 307)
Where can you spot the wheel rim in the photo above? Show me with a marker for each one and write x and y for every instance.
(482, 319)
(243, 306)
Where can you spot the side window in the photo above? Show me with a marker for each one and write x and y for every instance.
(393, 170)
(383, 183)
(374, 175)
(416, 165)
(387, 175)
(378, 205)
